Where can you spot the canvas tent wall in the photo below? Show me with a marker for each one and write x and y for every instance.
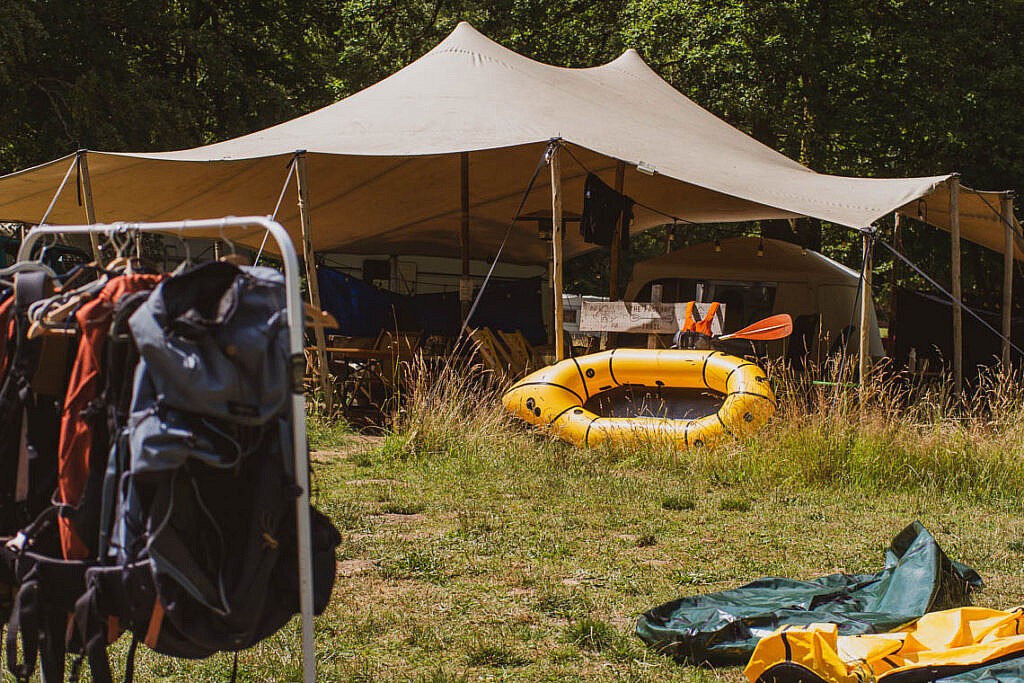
(805, 282)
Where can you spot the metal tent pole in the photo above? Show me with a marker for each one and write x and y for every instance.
(295, 314)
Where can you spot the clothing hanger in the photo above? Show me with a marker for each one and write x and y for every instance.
(187, 263)
(234, 258)
(24, 267)
(122, 262)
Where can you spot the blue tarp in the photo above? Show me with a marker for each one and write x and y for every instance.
(362, 310)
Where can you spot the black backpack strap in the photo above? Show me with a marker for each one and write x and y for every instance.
(90, 628)
(129, 662)
(40, 626)
(24, 621)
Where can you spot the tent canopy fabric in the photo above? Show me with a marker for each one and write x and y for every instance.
(383, 164)
(807, 283)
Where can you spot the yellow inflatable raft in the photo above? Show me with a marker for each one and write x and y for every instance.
(557, 398)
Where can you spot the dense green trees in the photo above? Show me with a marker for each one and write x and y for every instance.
(866, 87)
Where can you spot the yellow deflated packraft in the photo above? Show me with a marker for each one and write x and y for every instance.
(555, 398)
(938, 646)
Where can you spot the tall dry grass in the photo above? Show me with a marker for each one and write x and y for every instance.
(901, 432)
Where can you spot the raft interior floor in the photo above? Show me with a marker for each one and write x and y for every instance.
(664, 402)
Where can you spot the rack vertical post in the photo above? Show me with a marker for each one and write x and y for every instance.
(295, 316)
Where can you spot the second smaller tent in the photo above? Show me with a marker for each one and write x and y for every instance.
(756, 278)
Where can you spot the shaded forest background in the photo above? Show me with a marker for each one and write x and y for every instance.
(855, 87)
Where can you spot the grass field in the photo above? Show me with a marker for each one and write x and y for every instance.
(474, 549)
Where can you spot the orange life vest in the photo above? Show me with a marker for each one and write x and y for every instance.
(701, 326)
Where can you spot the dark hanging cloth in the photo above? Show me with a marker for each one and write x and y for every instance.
(604, 211)
(362, 310)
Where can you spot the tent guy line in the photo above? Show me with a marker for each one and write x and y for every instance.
(53, 202)
(543, 161)
(939, 287)
(1015, 229)
(277, 207)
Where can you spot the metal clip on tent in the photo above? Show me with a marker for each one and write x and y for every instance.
(295, 320)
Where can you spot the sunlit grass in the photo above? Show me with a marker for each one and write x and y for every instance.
(475, 548)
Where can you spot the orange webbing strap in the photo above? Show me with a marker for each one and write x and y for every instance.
(155, 620)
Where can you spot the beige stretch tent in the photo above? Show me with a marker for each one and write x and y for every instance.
(384, 164)
(805, 282)
(383, 168)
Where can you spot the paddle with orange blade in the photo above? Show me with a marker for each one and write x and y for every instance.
(774, 327)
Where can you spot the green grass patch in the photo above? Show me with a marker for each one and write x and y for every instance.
(498, 655)
(475, 549)
(678, 503)
(734, 505)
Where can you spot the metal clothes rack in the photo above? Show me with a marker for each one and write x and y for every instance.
(295, 313)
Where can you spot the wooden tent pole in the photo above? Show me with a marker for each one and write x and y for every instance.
(616, 250)
(615, 255)
(865, 313)
(90, 209)
(556, 250)
(309, 256)
(465, 286)
(894, 275)
(958, 333)
(1008, 250)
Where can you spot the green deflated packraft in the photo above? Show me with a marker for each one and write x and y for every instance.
(723, 628)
